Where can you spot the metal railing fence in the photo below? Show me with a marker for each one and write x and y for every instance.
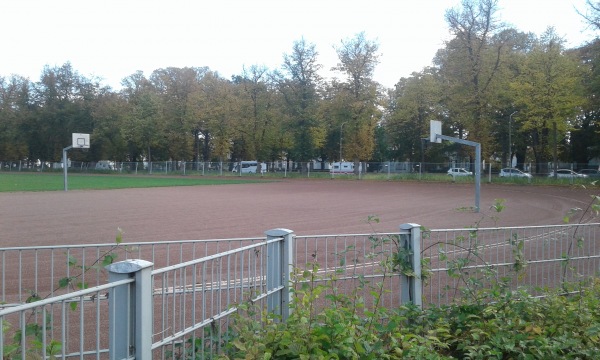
(189, 289)
(178, 310)
(57, 274)
(63, 326)
(360, 264)
(535, 257)
(192, 301)
(40, 270)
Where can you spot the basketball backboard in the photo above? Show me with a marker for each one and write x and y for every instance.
(435, 128)
(81, 141)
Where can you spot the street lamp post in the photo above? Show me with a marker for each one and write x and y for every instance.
(510, 138)
(341, 128)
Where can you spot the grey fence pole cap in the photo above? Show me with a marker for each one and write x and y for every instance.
(128, 266)
(278, 232)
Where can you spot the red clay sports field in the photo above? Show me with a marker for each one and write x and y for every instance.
(309, 207)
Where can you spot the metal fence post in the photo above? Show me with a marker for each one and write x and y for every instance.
(130, 322)
(411, 287)
(280, 262)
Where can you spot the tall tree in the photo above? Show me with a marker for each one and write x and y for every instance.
(175, 87)
(502, 100)
(549, 96)
(108, 112)
(300, 92)
(15, 110)
(257, 113)
(359, 95)
(585, 135)
(586, 132)
(143, 124)
(469, 65)
(213, 110)
(415, 101)
(63, 100)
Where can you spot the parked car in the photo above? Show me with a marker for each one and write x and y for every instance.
(512, 172)
(459, 172)
(593, 173)
(250, 167)
(105, 165)
(566, 174)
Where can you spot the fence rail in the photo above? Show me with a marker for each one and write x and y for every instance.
(39, 270)
(536, 257)
(189, 289)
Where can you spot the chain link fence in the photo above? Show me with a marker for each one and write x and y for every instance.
(388, 170)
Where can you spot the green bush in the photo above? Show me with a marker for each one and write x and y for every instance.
(490, 320)
(514, 325)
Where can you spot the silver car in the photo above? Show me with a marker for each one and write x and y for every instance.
(566, 174)
(593, 173)
(459, 172)
(512, 172)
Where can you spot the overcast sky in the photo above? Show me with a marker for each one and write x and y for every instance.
(112, 39)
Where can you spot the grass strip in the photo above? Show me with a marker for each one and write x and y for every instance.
(14, 182)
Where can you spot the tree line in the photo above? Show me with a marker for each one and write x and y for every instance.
(518, 94)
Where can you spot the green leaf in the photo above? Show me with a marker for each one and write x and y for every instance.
(33, 298)
(32, 329)
(238, 344)
(119, 237)
(64, 282)
(498, 205)
(72, 261)
(54, 348)
(109, 259)
(73, 306)
(9, 349)
(373, 218)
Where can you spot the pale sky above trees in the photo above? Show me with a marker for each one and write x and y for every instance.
(112, 39)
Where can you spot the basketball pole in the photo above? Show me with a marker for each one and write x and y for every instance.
(80, 141)
(477, 147)
(435, 136)
(64, 159)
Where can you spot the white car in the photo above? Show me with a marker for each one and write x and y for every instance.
(566, 173)
(512, 172)
(459, 172)
(250, 167)
(105, 165)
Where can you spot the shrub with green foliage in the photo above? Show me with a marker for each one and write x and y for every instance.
(489, 321)
(514, 325)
